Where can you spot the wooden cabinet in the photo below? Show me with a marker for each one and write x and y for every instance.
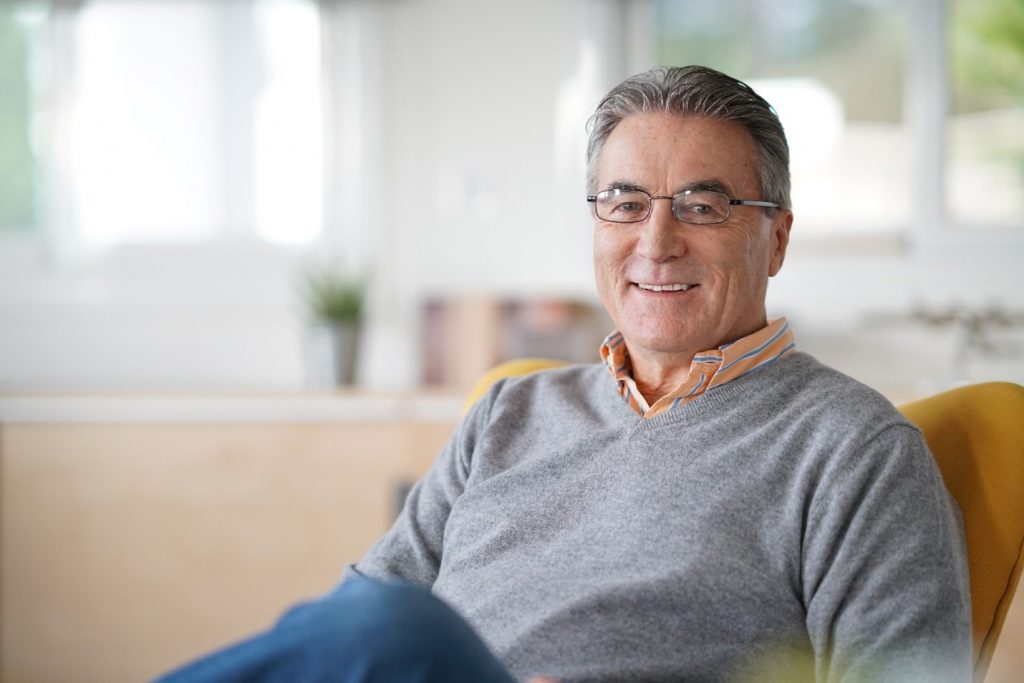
(128, 547)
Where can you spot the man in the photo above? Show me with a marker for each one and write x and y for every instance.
(707, 504)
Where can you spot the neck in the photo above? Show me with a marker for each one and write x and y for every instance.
(656, 376)
(659, 373)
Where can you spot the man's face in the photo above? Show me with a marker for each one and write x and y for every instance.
(726, 266)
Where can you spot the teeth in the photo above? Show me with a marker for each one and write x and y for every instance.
(664, 288)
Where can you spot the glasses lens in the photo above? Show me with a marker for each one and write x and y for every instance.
(623, 206)
(700, 207)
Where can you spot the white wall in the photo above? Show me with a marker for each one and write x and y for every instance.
(459, 104)
(471, 121)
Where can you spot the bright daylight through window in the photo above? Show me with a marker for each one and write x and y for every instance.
(232, 87)
(836, 73)
(18, 162)
(985, 172)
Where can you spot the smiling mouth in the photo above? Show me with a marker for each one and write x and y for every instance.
(664, 288)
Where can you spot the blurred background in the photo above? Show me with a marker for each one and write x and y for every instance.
(253, 252)
(170, 168)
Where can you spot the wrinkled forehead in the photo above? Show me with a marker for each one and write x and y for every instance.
(666, 152)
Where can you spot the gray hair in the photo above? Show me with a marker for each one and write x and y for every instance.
(697, 91)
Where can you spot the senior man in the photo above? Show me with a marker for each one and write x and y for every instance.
(708, 503)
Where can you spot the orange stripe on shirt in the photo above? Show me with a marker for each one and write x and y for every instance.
(708, 369)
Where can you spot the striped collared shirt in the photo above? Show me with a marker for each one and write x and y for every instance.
(708, 369)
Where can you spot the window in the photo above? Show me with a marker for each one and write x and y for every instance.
(985, 171)
(837, 72)
(19, 164)
(164, 121)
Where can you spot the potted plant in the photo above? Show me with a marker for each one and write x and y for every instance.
(336, 301)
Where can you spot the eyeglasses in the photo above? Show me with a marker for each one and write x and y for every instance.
(700, 207)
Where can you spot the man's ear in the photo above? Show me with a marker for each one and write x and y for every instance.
(781, 225)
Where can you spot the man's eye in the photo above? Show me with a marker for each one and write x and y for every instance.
(629, 207)
(700, 209)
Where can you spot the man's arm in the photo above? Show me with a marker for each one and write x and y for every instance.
(413, 547)
(885, 569)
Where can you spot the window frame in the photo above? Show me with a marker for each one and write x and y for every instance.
(57, 246)
(931, 228)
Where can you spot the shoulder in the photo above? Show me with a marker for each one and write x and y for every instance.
(570, 382)
(569, 392)
(853, 440)
(812, 391)
(553, 382)
(828, 428)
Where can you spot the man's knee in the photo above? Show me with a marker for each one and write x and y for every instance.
(368, 609)
(375, 630)
(364, 631)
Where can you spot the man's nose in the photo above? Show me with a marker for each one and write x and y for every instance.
(662, 236)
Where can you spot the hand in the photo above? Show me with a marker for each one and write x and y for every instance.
(541, 679)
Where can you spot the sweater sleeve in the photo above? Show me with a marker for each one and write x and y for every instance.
(412, 548)
(885, 569)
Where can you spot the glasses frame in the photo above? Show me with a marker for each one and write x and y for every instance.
(650, 207)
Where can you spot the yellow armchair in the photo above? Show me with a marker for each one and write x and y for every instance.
(511, 368)
(976, 434)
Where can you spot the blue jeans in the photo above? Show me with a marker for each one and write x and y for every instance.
(364, 631)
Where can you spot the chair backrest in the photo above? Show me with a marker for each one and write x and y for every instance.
(511, 368)
(976, 434)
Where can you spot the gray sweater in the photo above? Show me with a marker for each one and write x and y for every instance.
(788, 525)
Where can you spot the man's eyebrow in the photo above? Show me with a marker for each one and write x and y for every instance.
(704, 186)
(623, 185)
(710, 185)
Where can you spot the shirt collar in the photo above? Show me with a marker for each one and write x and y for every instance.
(708, 369)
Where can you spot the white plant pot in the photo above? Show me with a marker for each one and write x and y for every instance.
(332, 352)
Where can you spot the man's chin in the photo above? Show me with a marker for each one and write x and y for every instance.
(670, 343)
